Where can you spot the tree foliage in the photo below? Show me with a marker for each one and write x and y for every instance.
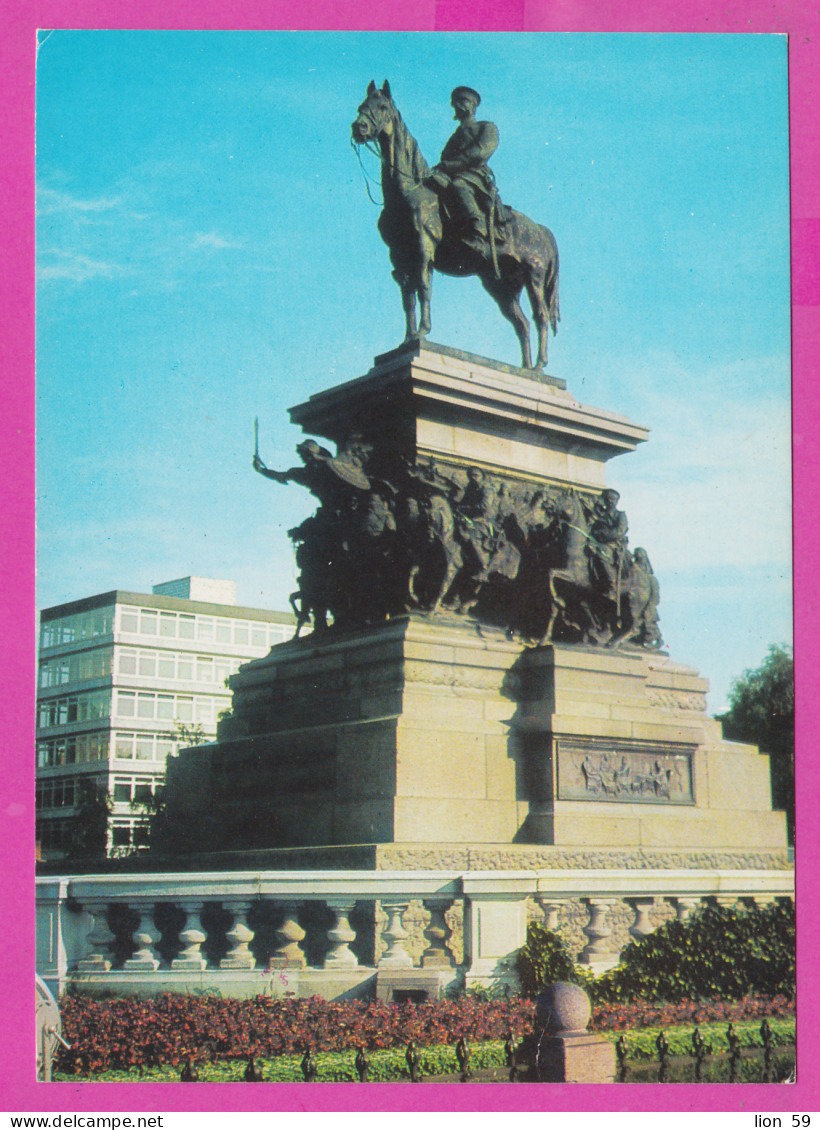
(761, 712)
(719, 953)
(88, 835)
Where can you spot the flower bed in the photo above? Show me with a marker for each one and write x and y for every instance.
(125, 1034)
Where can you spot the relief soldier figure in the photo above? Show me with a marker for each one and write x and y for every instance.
(607, 538)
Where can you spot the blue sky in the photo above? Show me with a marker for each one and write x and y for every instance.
(207, 254)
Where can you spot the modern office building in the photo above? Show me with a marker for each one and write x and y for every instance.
(124, 680)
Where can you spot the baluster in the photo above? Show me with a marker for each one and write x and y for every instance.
(240, 936)
(98, 940)
(643, 926)
(551, 908)
(340, 934)
(288, 954)
(396, 956)
(762, 901)
(146, 936)
(192, 936)
(685, 907)
(437, 954)
(596, 953)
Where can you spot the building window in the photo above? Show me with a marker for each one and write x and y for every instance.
(129, 620)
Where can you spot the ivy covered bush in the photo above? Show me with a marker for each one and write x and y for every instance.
(719, 954)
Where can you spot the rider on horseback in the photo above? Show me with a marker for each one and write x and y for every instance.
(608, 541)
(462, 176)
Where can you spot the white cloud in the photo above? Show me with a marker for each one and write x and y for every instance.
(77, 268)
(51, 201)
(211, 239)
(712, 487)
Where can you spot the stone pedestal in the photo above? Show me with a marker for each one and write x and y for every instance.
(430, 728)
(421, 731)
(577, 1058)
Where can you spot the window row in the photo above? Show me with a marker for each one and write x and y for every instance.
(169, 707)
(54, 835)
(73, 668)
(143, 747)
(126, 834)
(76, 749)
(89, 707)
(59, 793)
(208, 629)
(136, 790)
(82, 626)
(177, 666)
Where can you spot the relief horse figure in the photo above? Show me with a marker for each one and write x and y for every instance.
(420, 237)
(435, 555)
(581, 599)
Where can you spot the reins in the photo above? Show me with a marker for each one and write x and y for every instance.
(356, 147)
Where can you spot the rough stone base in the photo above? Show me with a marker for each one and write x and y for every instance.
(583, 1058)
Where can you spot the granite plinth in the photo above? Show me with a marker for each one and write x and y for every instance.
(577, 1058)
(423, 400)
(426, 735)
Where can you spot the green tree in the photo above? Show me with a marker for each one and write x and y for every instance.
(155, 814)
(761, 711)
(88, 834)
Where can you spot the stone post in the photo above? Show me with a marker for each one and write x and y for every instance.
(396, 956)
(643, 926)
(685, 907)
(598, 953)
(495, 929)
(146, 935)
(551, 908)
(288, 954)
(192, 936)
(98, 939)
(568, 1053)
(340, 934)
(437, 955)
(240, 936)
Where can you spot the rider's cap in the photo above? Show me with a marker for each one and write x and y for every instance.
(465, 90)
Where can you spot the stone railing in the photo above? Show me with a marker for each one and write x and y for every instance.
(345, 933)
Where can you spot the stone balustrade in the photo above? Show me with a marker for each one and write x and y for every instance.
(343, 933)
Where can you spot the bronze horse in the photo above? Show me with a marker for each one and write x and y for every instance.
(415, 229)
(579, 598)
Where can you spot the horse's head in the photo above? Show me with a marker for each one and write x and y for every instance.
(375, 115)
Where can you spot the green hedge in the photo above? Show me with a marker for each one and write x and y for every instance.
(719, 953)
(333, 1067)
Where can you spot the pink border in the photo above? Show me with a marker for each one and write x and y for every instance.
(20, 19)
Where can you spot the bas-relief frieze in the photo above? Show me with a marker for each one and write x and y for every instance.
(540, 561)
(622, 773)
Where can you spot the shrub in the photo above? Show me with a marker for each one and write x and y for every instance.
(544, 960)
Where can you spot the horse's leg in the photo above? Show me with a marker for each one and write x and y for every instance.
(408, 299)
(506, 295)
(535, 291)
(556, 603)
(412, 600)
(425, 288)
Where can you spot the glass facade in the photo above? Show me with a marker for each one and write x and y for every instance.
(157, 667)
